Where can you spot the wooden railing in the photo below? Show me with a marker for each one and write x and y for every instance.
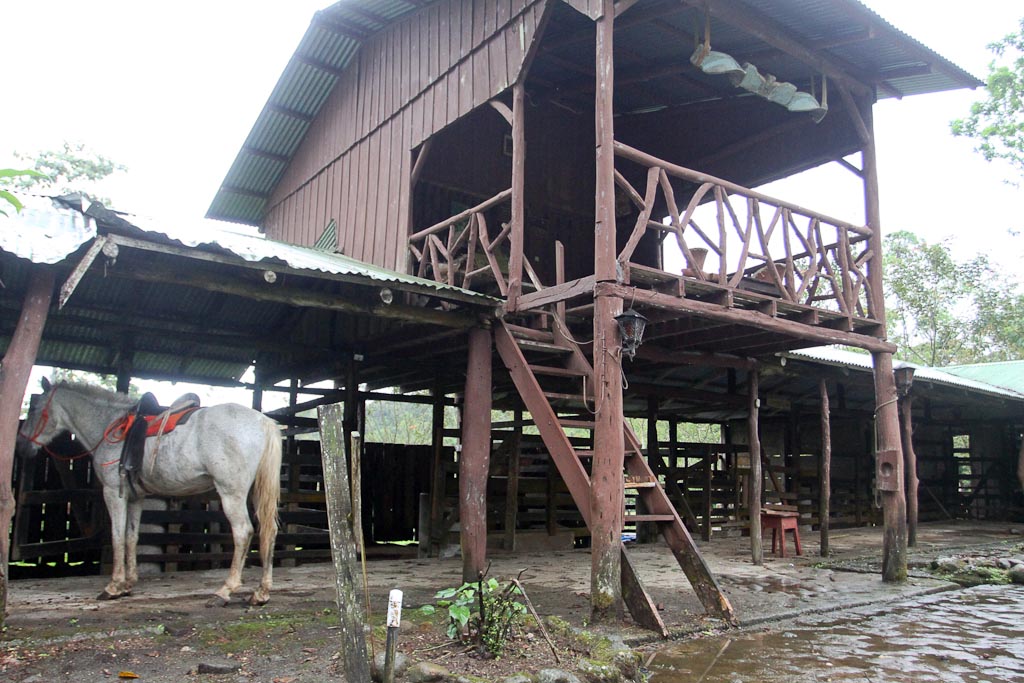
(769, 245)
(453, 259)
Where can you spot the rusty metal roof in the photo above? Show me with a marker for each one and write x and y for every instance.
(871, 46)
(188, 332)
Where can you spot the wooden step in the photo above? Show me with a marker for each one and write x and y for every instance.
(554, 371)
(586, 453)
(556, 396)
(520, 332)
(542, 347)
(640, 484)
(576, 424)
(648, 518)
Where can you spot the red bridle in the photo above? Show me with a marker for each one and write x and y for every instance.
(114, 433)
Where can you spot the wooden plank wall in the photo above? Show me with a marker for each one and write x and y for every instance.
(408, 82)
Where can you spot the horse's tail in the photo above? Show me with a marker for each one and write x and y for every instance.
(266, 491)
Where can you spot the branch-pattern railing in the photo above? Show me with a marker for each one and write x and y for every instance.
(799, 256)
(453, 259)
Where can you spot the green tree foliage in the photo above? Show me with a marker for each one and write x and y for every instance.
(7, 176)
(72, 168)
(997, 123)
(944, 312)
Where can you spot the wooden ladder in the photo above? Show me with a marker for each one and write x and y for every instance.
(553, 377)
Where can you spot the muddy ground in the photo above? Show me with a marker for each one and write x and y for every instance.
(56, 630)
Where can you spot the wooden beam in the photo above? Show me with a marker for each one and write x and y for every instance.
(299, 297)
(474, 460)
(772, 32)
(755, 478)
(517, 222)
(910, 463)
(887, 428)
(14, 374)
(736, 316)
(76, 275)
(343, 551)
(825, 479)
(549, 295)
(606, 491)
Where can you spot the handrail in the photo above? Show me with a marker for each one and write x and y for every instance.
(454, 259)
(794, 260)
(644, 159)
(459, 217)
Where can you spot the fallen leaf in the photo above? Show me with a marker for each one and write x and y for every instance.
(284, 679)
(311, 650)
(127, 674)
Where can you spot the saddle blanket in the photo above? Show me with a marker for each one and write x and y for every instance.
(153, 422)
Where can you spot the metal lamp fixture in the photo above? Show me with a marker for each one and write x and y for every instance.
(631, 329)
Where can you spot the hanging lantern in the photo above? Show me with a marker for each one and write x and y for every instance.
(631, 329)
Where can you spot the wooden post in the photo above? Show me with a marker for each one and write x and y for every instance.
(339, 518)
(516, 242)
(647, 532)
(709, 470)
(825, 480)
(755, 477)
(124, 368)
(394, 622)
(512, 490)
(476, 455)
(356, 482)
(888, 451)
(904, 382)
(437, 474)
(14, 373)
(606, 492)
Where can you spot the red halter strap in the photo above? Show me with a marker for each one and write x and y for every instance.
(114, 433)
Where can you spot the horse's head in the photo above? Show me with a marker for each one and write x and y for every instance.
(40, 427)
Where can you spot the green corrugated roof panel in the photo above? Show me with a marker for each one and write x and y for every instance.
(1007, 374)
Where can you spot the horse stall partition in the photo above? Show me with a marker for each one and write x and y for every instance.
(61, 527)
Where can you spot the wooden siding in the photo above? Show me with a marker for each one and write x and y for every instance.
(409, 82)
(591, 8)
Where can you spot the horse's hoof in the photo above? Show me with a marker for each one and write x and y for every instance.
(107, 595)
(257, 600)
(217, 601)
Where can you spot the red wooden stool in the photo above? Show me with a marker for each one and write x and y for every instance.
(779, 521)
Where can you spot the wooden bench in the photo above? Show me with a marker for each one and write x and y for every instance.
(779, 518)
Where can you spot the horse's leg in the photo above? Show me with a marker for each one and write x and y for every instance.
(235, 509)
(133, 518)
(117, 508)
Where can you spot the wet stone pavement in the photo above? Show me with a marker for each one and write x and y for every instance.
(972, 635)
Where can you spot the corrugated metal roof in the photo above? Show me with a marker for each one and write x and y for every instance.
(862, 361)
(902, 66)
(46, 230)
(189, 333)
(1006, 374)
(330, 43)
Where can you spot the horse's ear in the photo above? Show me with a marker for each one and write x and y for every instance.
(46, 384)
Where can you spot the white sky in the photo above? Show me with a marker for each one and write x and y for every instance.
(172, 89)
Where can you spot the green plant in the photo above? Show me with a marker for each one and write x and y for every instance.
(6, 174)
(483, 612)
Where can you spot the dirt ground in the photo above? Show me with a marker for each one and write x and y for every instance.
(56, 630)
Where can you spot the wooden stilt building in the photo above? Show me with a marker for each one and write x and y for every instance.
(528, 171)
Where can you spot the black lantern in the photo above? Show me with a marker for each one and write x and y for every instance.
(631, 329)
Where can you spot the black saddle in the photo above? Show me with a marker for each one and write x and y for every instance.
(134, 446)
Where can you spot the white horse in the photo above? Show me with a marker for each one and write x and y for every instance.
(226, 447)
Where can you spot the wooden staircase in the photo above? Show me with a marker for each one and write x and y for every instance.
(554, 378)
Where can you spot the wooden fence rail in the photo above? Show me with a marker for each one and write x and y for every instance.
(768, 245)
(454, 260)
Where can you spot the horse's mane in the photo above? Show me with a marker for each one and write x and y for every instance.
(95, 392)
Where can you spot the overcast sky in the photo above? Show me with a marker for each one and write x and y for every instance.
(172, 89)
